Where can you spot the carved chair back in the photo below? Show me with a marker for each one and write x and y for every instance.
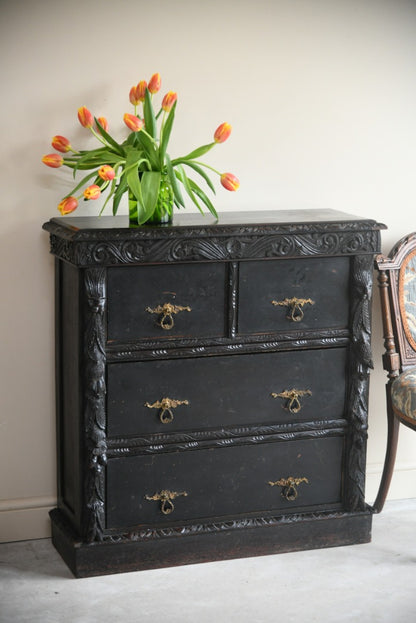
(397, 282)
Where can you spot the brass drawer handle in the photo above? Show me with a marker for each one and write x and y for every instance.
(165, 497)
(292, 396)
(289, 485)
(166, 405)
(166, 312)
(295, 307)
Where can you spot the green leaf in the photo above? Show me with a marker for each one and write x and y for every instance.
(132, 175)
(82, 183)
(150, 184)
(130, 140)
(118, 148)
(172, 178)
(197, 153)
(181, 175)
(149, 149)
(200, 193)
(121, 189)
(149, 115)
(165, 136)
(202, 173)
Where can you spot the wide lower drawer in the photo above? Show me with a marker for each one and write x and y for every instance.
(218, 482)
(210, 392)
(295, 294)
(166, 301)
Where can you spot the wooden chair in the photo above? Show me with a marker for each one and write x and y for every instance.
(397, 281)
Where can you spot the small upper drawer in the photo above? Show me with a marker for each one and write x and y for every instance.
(285, 295)
(166, 301)
(198, 484)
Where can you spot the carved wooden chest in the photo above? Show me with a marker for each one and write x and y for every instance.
(212, 382)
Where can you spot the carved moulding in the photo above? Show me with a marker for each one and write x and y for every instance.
(145, 534)
(241, 435)
(203, 248)
(94, 401)
(261, 343)
(361, 285)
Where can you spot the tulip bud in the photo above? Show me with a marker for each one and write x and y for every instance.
(154, 83)
(60, 143)
(229, 181)
(53, 160)
(68, 205)
(103, 122)
(85, 117)
(141, 91)
(132, 96)
(132, 122)
(169, 100)
(222, 132)
(92, 192)
(106, 172)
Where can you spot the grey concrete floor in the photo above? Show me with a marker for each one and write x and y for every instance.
(372, 583)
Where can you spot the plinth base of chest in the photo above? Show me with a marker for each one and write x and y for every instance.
(220, 542)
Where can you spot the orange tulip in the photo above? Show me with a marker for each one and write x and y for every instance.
(132, 96)
(154, 83)
(60, 143)
(85, 117)
(53, 160)
(103, 122)
(229, 181)
(137, 93)
(169, 100)
(68, 205)
(222, 132)
(92, 192)
(134, 123)
(106, 172)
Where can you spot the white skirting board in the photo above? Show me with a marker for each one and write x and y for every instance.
(25, 518)
(403, 483)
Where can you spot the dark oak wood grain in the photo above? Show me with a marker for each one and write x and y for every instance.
(261, 448)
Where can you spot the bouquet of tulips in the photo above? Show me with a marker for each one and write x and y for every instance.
(137, 164)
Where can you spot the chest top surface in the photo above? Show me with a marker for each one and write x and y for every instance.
(106, 241)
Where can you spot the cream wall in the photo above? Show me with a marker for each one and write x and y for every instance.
(322, 98)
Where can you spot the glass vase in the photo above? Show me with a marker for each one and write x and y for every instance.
(163, 211)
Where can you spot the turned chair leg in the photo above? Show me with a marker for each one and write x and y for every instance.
(392, 439)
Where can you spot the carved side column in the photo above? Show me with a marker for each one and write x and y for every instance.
(360, 366)
(94, 391)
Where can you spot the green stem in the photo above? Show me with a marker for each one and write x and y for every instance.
(100, 138)
(151, 137)
(162, 125)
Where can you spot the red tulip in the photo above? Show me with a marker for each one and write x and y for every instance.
(103, 122)
(85, 117)
(60, 143)
(169, 100)
(154, 83)
(53, 160)
(229, 181)
(68, 205)
(222, 132)
(134, 123)
(106, 172)
(92, 192)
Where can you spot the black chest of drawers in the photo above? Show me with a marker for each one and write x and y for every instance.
(212, 385)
